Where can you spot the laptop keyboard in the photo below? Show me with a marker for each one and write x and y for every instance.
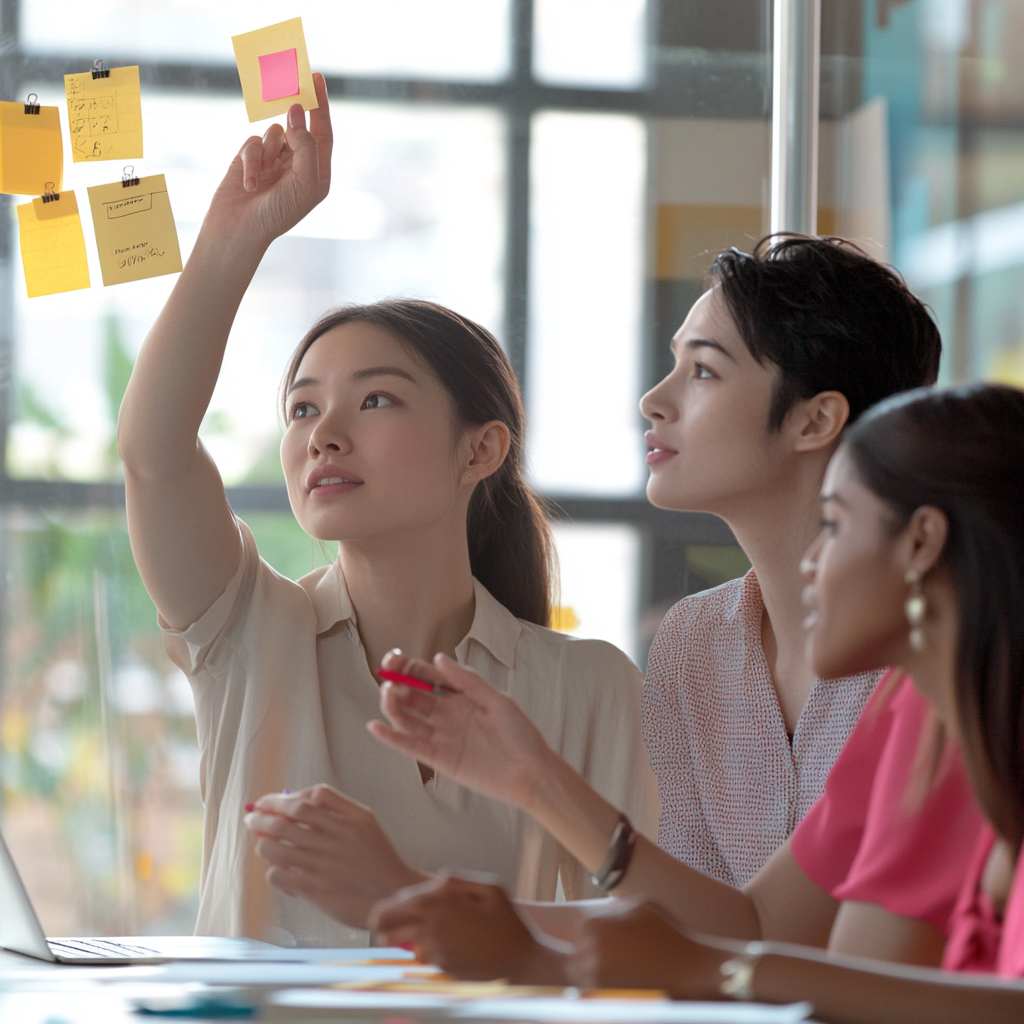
(81, 949)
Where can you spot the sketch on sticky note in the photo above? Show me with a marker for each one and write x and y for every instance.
(91, 120)
(141, 203)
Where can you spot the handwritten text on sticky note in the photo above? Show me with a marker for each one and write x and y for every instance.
(135, 231)
(105, 115)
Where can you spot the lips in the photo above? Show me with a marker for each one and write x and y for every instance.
(330, 475)
(656, 445)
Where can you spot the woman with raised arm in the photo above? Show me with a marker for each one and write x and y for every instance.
(403, 441)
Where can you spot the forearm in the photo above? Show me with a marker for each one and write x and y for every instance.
(849, 991)
(177, 368)
(583, 822)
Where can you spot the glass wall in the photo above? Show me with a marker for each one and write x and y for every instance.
(561, 170)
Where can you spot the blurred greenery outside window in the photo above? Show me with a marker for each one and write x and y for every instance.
(521, 178)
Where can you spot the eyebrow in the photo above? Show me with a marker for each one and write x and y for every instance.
(697, 343)
(370, 371)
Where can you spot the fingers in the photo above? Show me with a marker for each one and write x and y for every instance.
(412, 746)
(442, 671)
(251, 156)
(304, 150)
(321, 130)
(273, 144)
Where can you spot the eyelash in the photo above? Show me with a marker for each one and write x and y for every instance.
(374, 394)
(828, 525)
(698, 368)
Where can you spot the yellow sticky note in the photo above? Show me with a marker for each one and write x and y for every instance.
(135, 231)
(52, 246)
(31, 151)
(273, 67)
(105, 115)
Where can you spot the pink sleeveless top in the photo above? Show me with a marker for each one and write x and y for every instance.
(867, 840)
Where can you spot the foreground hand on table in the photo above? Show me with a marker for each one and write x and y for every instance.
(636, 946)
(469, 929)
(474, 735)
(328, 849)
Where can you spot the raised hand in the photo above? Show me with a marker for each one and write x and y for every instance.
(328, 849)
(468, 928)
(473, 734)
(274, 181)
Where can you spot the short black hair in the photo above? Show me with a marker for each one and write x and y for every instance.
(830, 318)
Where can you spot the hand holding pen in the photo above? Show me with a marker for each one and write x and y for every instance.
(476, 736)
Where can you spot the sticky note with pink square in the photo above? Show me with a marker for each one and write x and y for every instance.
(273, 67)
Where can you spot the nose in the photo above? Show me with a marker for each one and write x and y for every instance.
(654, 405)
(328, 438)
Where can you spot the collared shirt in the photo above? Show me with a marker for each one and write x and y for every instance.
(283, 692)
(733, 786)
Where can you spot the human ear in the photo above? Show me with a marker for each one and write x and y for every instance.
(818, 422)
(488, 449)
(924, 540)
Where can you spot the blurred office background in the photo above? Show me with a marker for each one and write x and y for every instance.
(561, 170)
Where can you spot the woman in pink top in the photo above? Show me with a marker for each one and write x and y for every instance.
(920, 562)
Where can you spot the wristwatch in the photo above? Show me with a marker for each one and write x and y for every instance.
(620, 853)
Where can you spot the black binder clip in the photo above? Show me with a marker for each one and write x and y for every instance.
(128, 178)
(31, 103)
(50, 195)
(100, 69)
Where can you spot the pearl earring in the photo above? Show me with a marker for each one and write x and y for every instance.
(916, 608)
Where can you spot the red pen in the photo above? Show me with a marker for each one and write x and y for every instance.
(412, 682)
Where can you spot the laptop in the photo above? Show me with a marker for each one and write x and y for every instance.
(21, 932)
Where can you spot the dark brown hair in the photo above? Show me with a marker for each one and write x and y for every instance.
(830, 318)
(961, 450)
(510, 547)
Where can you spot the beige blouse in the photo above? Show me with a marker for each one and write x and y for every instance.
(733, 785)
(282, 695)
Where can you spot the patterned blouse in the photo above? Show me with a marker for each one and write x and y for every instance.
(733, 786)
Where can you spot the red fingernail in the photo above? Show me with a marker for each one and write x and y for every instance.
(250, 807)
(409, 947)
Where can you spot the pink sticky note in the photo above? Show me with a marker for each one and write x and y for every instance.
(279, 75)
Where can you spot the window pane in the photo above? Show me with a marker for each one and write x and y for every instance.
(590, 42)
(599, 564)
(98, 756)
(939, 183)
(415, 209)
(586, 282)
(451, 39)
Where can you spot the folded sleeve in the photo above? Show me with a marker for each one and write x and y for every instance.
(202, 644)
(920, 833)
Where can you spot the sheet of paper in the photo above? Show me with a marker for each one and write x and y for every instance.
(265, 48)
(52, 246)
(105, 115)
(135, 231)
(630, 1011)
(31, 151)
(565, 1008)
